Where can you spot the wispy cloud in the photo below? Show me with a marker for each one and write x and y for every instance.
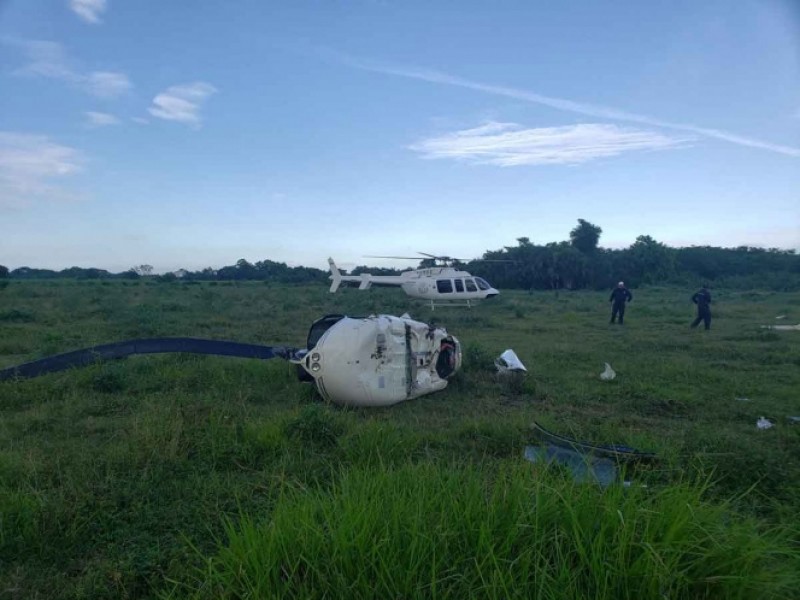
(182, 103)
(100, 119)
(45, 59)
(50, 60)
(510, 145)
(88, 10)
(592, 110)
(30, 163)
(107, 84)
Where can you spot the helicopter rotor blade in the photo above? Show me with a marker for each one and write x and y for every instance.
(442, 258)
(403, 257)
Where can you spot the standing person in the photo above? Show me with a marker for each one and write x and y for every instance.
(702, 298)
(619, 296)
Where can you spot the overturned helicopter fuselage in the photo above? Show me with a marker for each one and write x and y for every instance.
(370, 361)
(378, 360)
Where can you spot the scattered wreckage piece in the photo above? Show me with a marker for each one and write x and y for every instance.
(378, 360)
(508, 362)
(608, 374)
(587, 463)
(617, 452)
(584, 469)
(782, 327)
(764, 423)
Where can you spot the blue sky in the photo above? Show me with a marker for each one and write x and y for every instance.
(192, 134)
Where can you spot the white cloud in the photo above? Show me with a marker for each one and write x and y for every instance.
(100, 119)
(28, 165)
(182, 103)
(49, 60)
(88, 10)
(107, 84)
(510, 145)
(592, 110)
(45, 59)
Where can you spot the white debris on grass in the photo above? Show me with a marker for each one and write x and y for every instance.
(608, 374)
(763, 423)
(782, 327)
(509, 361)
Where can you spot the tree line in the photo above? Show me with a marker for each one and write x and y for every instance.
(581, 263)
(577, 263)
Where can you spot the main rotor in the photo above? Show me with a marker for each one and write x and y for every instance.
(438, 260)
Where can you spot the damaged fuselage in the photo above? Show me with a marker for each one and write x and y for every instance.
(378, 360)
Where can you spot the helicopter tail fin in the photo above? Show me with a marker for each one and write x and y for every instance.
(335, 275)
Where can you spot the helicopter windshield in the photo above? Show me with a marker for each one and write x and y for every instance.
(482, 284)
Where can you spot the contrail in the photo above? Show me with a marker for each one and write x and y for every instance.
(592, 110)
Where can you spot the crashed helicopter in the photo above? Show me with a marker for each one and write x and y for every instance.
(372, 361)
(442, 285)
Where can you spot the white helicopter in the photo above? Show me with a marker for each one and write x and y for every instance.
(442, 285)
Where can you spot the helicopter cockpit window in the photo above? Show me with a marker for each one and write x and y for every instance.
(445, 286)
(459, 285)
(470, 285)
(482, 283)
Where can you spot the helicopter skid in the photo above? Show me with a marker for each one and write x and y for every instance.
(453, 303)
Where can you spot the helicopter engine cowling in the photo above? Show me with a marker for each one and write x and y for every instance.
(381, 360)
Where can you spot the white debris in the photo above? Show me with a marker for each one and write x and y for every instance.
(780, 317)
(608, 374)
(509, 361)
(782, 327)
(763, 423)
(742, 399)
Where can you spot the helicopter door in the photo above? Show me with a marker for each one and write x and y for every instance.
(444, 286)
(459, 285)
(470, 285)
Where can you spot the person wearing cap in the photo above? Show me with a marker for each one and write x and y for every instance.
(619, 296)
(702, 298)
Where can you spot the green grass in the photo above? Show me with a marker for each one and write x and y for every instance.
(496, 530)
(151, 476)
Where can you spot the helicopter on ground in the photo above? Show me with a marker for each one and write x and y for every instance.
(442, 285)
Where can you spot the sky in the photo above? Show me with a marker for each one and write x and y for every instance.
(189, 134)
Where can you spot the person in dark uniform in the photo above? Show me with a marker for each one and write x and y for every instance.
(619, 296)
(702, 298)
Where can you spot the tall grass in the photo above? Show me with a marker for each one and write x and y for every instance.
(503, 531)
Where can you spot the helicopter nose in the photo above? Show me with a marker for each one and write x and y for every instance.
(491, 293)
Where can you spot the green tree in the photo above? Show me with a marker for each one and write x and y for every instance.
(651, 261)
(585, 236)
(3, 272)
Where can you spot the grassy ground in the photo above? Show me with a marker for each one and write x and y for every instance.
(199, 476)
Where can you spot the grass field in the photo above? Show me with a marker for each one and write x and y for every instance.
(183, 476)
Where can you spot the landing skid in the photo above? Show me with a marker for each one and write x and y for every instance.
(454, 303)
